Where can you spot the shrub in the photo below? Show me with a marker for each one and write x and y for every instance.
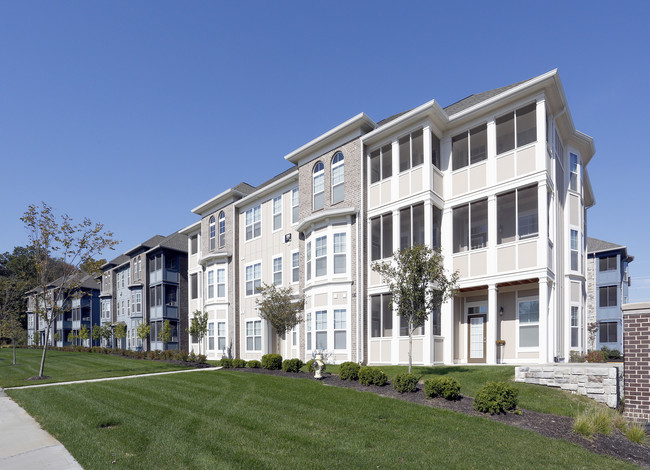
(202, 358)
(582, 425)
(636, 433)
(349, 371)
(238, 363)
(610, 354)
(192, 357)
(310, 366)
(575, 356)
(272, 361)
(445, 387)
(292, 365)
(372, 376)
(596, 420)
(254, 364)
(405, 383)
(595, 356)
(496, 397)
(226, 363)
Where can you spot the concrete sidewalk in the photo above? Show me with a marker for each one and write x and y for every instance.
(25, 446)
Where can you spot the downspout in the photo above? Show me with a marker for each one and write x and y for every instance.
(360, 266)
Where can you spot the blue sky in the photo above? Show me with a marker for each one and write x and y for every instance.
(132, 113)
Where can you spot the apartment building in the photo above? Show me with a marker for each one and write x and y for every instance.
(497, 181)
(145, 285)
(608, 280)
(80, 308)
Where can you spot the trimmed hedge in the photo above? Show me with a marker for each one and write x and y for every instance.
(272, 361)
(405, 383)
(226, 363)
(496, 397)
(238, 363)
(292, 365)
(372, 376)
(254, 364)
(349, 371)
(445, 387)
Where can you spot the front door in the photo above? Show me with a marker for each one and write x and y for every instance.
(476, 344)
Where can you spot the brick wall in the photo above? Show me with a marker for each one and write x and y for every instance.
(636, 349)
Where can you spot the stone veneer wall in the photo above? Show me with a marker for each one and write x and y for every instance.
(636, 350)
(602, 382)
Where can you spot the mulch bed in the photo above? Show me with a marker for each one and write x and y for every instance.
(557, 427)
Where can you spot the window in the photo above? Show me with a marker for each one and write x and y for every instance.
(608, 332)
(321, 329)
(381, 316)
(221, 336)
(294, 337)
(470, 226)
(472, 143)
(381, 163)
(607, 263)
(526, 129)
(222, 229)
(253, 278)
(528, 323)
(210, 284)
(277, 271)
(212, 233)
(573, 181)
(308, 330)
(381, 229)
(608, 297)
(411, 226)
(194, 286)
(139, 267)
(436, 239)
(574, 250)
(308, 256)
(295, 267)
(277, 212)
(339, 253)
(254, 335)
(155, 296)
(137, 302)
(211, 336)
(575, 327)
(253, 222)
(221, 283)
(404, 328)
(321, 256)
(517, 215)
(340, 333)
(171, 296)
(338, 178)
(319, 185)
(435, 150)
(295, 205)
(171, 262)
(194, 244)
(411, 150)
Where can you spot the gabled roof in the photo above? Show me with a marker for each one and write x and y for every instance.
(153, 241)
(595, 245)
(472, 100)
(175, 241)
(121, 259)
(80, 279)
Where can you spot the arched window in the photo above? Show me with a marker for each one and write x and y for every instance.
(338, 178)
(212, 233)
(319, 185)
(222, 229)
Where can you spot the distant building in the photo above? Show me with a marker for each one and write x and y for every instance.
(608, 281)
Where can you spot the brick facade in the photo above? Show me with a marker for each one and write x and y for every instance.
(636, 347)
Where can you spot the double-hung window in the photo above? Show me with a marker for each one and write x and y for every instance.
(221, 336)
(411, 226)
(295, 205)
(517, 215)
(339, 253)
(338, 178)
(469, 147)
(574, 250)
(253, 222)
(340, 332)
(607, 296)
(194, 286)
(211, 284)
(277, 212)
(277, 271)
(411, 150)
(295, 267)
(516, 128)
(212, 233)
(321, 329)
(575, 169)
(470, 226)
(528, 310)
(381, 163)
(308, 329)
(321, 256)
(381, 230)
(222, 229)
(194, 245)
(381, 316)
(253, 278)
(575, 327)
(210, 336)
(254, 335)
(608, 332)
(318, 186)
(607, 263)
(221, 282)
(308, 261)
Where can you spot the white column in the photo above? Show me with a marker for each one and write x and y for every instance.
(492, 319)
(394, 180)
(491, 152)
(427, 167)
(445, 163)
(447, 322)
(544, 333)
(542, 225)
(492, 235)
(540, 147)
(427, 347)
(394, 345)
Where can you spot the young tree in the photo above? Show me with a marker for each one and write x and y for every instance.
(144, 329)
(166, 333)
(96, 333)
(281, 307)
(59, 238)
(36, 338)
(418, 283)
(83, 333)
(72, 337)
(10, 327)
(120, 332)
(107, 333)
(57, 336)
(198, 327)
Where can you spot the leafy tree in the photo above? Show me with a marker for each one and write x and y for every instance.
(10, 327)
(96, 333)
(144, 329)
(107, 332)
(36, 338)
(83, 333)
(166, 333)
(72, 337)
(120, 332)
(60, 245)
(92, 266)
(198, 326)
(280, 307)
(418, 283)
(57, 336)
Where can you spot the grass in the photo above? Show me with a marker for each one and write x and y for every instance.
(597, 420)
(472, 378)
(636, 433)
(229, 419)
(63, 366)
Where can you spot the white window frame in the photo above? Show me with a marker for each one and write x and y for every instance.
(318, 186)
(308, 261)
(321, 330)
(295, 205)
(340, 325)
(521, 300)
(250, 269)
(308, 328)
(213, 229)
(340, 251)
(221, 273)
(254, 335)
(253, 221)
(577, 326)
(295, 267)
(277, 270)
(222, 229)
(210, 283)
(381, 156)
(338, 166)
(320, 254)
(276, 204)
(211, 343)
(411, 165)
(574, 250)
(222, 335)
(575, 173)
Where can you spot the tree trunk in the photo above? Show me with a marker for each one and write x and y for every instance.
(410, 346)
(47, 334)
(13, 342)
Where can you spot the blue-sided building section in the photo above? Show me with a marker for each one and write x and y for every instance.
(611, 282)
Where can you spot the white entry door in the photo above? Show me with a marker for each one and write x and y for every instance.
(476, 343)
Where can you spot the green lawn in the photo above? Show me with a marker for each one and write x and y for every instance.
(472, 378)
(229, 419)
(65, 366)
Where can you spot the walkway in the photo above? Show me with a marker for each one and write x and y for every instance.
(24, 445)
